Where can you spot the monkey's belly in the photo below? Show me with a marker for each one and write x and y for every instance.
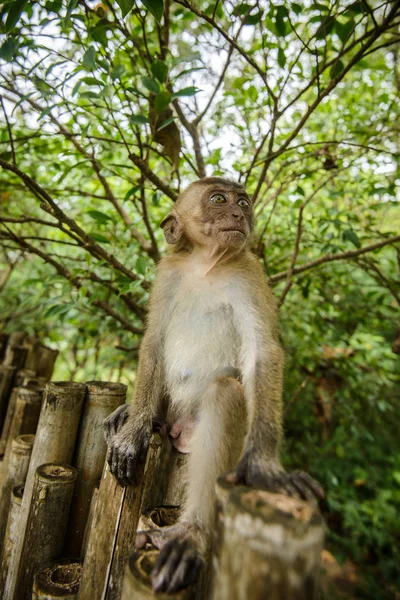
(197, 348)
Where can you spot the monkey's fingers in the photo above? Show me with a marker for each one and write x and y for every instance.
(310, 483)
(187, 570)
(166, 564)
(113, 423)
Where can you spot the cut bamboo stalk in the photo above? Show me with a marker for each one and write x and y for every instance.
(55, 440)
(102, 398)
(267, 546)
(176, 477)
(16, 338)
(58, 581)
(3, 344)
(129, 519)
(11, 534)
(89, 522)
(47, 522)
(15, 356)
(7, 374)
(13, 473)
(22, 416)
(47, 359)
(137, 582)
(112, 536)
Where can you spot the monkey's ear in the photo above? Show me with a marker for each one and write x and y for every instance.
(172, 228)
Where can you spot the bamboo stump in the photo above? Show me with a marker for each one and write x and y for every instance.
(22, 416)
(3, 344)
(14, 473)
(137, 582)
(11, 534)
(102, 399)
(54, 443)
(267, 546)
(112, 537)
(58, 581)
(47, 522)
(7, 374)
(15, 356)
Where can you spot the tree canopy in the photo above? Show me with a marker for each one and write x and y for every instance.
(110, 109)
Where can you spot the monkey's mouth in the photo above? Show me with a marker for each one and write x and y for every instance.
(233, 230)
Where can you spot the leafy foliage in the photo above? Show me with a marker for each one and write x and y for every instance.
(111, 108)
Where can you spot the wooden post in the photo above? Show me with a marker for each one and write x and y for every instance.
(137, 582)
(89, 522)
(47, 522)
(176, 476)
(22, 416)
(102, 398)
(267, 546)
(112, 537)
(13, 473)
(55, 441)
(15, 356)
(58, 581)
(11, 534)
(7, 374)
(3, 344)
(47, 359)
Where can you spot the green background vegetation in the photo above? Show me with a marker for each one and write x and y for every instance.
(108, 109)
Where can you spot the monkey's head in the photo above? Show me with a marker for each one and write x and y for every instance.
(210, 212)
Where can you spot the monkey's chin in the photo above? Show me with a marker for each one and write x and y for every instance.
(232, 238)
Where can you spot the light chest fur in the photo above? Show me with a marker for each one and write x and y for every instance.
(203, 332)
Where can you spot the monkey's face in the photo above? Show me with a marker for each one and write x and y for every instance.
(213, 215)
(227, 216)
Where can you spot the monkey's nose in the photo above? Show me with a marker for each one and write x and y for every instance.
(237, 215)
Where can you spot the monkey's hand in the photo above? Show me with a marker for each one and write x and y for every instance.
(261, 473)
(127, 446)
(113, 423)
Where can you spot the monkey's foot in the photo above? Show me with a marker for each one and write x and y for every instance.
(113, 423)
(180, 559)
(177, 566)
(296, 484)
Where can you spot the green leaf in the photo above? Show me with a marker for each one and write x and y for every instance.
(99, 216)
(141, 265)
(70, 7)
(159, 70)
(156, 7)
(92, 81)
(188, 91)
(343, 29)
(281, 58)
(350, 236)
(166, 123)
(89, 58)
(280, 21)
(131, 192)
(138, 120)
(336, 69)
(8, 49)
(97, 237)
(125, 6)
(151, 84)
(14, 14)
(162, 100)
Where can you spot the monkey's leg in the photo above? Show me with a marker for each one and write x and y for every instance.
(217, 443)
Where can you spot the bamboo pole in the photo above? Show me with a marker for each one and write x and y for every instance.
(47, 359)
(22, 416)
(7, 374)
(58, 581)
(89, 522)
(3, 344)
(13, 473)
(102, 399)
(55, 441)
(112, 536)
(15, 356)
(47, 521)
(11, 534)
(176, 476)
(137, 582)
(267, 546)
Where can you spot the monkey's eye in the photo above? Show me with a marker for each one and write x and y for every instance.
(218, 199)
(243, 203)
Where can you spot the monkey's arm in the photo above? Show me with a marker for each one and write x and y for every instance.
(129, 428)
(263, 366)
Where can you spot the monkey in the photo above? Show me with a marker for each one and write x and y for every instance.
(212, 363)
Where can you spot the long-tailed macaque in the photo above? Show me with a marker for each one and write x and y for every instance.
(212, 364)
